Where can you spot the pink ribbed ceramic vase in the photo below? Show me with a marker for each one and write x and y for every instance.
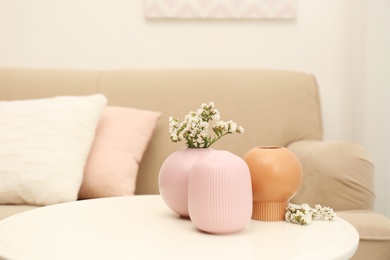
(220, 193)
(276, 175)
(173, 178)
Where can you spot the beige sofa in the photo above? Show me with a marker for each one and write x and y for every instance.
(275, 108)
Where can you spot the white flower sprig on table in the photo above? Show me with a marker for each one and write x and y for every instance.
(304, 214)
(195, 127)
(323, 213)
(299, 214)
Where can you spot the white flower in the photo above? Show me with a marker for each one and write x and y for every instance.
(221, 126)
(304, 214)
(323, 213)
(195, 127)
(240, 130)
(215, 115)
(232, 127)
(298, 214)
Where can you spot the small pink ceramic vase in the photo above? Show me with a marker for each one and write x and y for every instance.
(220, 193)
(173, 178)
(276, 177)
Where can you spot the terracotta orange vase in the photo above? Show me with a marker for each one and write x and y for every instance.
(276, 175)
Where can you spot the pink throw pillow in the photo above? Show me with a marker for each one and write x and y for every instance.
(120, 141)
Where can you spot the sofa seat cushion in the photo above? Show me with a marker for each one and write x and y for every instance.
(10, 210)
(374, 233)
(370, 225)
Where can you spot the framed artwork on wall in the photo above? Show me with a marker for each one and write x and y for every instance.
(220, 9)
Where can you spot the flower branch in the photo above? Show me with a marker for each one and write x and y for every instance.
(304, 214)
(194, 130)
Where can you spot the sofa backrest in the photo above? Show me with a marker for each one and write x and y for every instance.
(274, 107)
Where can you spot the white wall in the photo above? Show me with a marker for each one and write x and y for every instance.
(371, 77)
(114, 34)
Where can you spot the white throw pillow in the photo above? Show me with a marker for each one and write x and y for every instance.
(44, 145)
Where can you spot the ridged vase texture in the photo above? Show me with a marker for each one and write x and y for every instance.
(220, 193)
(276, 175)
(173, 178)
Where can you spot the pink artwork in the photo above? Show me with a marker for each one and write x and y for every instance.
(221, 9)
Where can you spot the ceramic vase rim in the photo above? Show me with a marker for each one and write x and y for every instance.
(269, 147)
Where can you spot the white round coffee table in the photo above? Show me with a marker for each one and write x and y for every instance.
(143, 227)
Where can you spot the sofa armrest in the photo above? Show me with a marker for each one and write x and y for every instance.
(336, 174)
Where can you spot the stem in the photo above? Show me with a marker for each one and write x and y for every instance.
(217, 138)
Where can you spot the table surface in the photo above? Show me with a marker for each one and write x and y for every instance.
(143, 227)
